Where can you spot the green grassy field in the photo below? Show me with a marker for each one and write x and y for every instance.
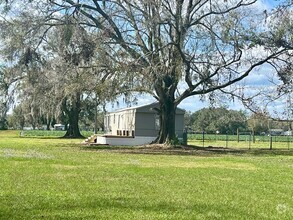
(45, 133)
(50, 178)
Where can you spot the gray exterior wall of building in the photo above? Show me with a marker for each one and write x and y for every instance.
(145, 124)
(142, 121)
(149, 109)
(179, 125)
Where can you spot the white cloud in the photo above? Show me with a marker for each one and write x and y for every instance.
(193, 104)
(262, 76)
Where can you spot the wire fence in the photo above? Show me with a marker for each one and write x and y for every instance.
(241, 140)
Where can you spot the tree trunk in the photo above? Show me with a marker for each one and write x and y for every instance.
(165, 89)
(3, 124)
(48, 126)
(72, 112)
(167, 122)
(48, 122)
(73, 128)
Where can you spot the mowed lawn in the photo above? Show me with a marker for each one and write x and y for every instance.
(47, 178)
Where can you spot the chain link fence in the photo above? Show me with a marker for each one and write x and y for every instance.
(240, 140)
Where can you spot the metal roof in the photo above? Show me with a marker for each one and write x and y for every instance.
(146, 108)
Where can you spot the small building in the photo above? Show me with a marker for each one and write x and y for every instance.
(136, 125)
(288, 133)
(276, 132)
(59, 127)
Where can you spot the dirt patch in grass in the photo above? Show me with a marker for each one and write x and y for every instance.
(183, 150)
(162, 149)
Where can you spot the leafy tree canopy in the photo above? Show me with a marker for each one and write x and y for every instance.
(172, 49)
(222, 120)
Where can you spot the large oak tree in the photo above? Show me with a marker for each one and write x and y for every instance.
(175, 49)
(182, 48)
(55, 69)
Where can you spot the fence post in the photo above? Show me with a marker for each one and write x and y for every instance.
(226, 139)
(202, 138)
(249, 145)
(271, 142)
(184, 137)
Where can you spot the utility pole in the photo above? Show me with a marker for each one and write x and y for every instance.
(96, 114)
(289, 118)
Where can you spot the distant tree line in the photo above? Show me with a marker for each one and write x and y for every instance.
(222, 120)
(21, 118)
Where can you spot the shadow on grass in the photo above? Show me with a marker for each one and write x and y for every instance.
(188, 150)
(113, 207)
(40, 137)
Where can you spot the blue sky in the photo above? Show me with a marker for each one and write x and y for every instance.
(273, 3)
(258, 79)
